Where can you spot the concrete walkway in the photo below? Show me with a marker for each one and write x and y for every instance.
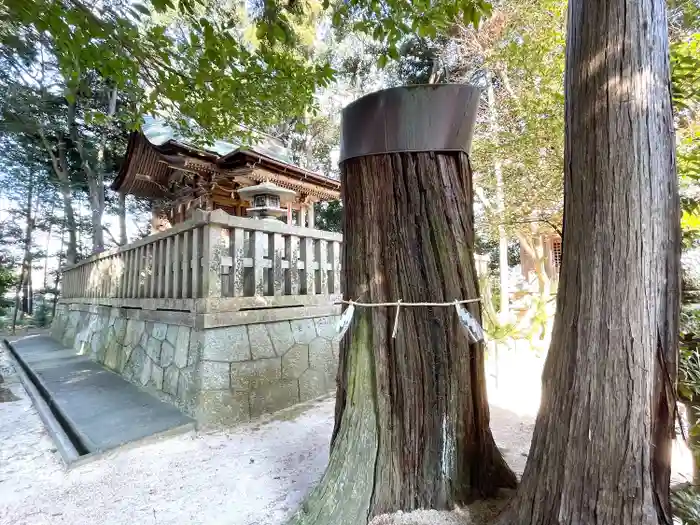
(100, 407)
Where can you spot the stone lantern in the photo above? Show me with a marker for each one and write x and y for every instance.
(267, 200)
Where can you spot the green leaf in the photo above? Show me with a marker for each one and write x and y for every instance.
(382, 61)
(142, 9)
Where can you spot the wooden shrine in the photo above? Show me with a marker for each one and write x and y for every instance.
(179, 178)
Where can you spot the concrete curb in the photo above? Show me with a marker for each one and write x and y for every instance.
(67, 450)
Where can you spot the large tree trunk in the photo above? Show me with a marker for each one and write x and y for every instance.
(601, 449)
(412, 418)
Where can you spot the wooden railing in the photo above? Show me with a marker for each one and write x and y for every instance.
(212, 256)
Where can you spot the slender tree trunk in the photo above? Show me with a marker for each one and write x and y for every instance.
(601, 448)
(46, 251)
(122, 219)
(57, 278)
(500, 207)
(412, 417)
(22, 304)
(59, 162)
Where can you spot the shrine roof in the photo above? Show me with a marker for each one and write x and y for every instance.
(156, 151)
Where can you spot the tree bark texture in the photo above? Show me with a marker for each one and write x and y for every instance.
(601, 450)
(412, 417)
(122, 219)
(22, 302)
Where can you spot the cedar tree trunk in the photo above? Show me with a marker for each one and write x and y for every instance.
(412, 417)
(601, 450)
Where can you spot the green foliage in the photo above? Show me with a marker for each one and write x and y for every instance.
(689, 356)
(685, 65)
(393, 21)
(194, 68)
(196, 64)
(7, 281)
(329, 216)
(686, 506)
(522, 50)
(42, 315)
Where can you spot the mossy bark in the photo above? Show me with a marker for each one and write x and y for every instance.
(412, 418)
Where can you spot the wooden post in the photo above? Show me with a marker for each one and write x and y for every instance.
(168, 266)
(334, 285)
(177, 264)
(258, 240)
(310, 216)
(292, 249)
(215, 247)
(307, 255)
(196, 261)
(277, 257)
(185, 263)
(412, 418)
(322, 262)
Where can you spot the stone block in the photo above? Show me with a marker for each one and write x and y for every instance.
(222, 408)
(134, 330)
(304, 330)
(112, 355)
(167, 354)
(134, 364)
(248, 374)
(295, 361)
(171, 335)
(156, 376)
(281, 336)
(321, 359)
(214, 375)
(325, 327)
(186, 386)
(160, 330)
(145, 371)
(124, 357)
(260, 343)
(99, 345)
(182, 347)
(170, 380)
(320, 353)
(314, 383)
(270, 398)
(153, 348)
(225, 344)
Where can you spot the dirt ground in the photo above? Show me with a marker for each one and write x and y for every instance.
(255, 474)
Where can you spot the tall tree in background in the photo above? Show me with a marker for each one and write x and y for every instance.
(601, 451)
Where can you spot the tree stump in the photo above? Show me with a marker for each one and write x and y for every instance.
(412, 417)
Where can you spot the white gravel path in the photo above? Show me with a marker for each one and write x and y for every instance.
(251, 475)
(257, 474)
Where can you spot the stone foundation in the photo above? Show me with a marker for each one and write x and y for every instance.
(222, 375)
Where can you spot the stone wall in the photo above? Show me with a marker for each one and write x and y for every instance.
(223, 375)
(253, 369)
(153, 355)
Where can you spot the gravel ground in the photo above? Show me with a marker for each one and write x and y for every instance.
(251, 475)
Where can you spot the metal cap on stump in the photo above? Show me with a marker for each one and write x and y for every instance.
(424, 117)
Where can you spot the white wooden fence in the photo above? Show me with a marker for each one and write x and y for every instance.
(213, 255)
